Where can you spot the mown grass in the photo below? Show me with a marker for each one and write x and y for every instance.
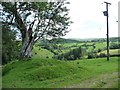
(112, 51)
(49, 73)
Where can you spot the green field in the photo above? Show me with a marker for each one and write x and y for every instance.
(39, 52)
(44, 71)
(48, 73)
(112, 51)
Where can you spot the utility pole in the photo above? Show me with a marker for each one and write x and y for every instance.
(106, 14)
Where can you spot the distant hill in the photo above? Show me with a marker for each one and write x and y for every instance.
(61, 40)
(112, 39)
(77, 40)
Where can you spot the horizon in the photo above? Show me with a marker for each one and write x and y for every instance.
(92, 38)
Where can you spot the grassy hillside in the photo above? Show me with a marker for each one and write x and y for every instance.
(39, 52)
(42, 71)
(49, 73)
(112, 51)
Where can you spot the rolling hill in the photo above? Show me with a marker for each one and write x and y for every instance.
(49, 73)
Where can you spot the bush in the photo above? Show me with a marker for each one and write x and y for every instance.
(71, 55)
(91, 55)
(10, 47)
(114, 46)
(99, 50)
(102, 55)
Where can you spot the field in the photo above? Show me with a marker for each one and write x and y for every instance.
(47, 73)
(112, 51)
(44, 71)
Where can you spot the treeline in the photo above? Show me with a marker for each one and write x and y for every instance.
(115, 46)
(112, 39)
(58, 41)
(10, 47)
(62, 40)
(71, 55)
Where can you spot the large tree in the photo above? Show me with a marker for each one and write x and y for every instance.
(35, 20)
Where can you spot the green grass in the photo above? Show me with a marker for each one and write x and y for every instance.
(41, 53)
(112, 51)
(49, 73)
(68, 44)
(44, 72)
(100, 45)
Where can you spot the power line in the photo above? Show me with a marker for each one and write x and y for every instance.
(113, 15)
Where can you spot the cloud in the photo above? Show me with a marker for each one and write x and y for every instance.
(89, 21)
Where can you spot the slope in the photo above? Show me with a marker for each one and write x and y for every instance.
(49, 73)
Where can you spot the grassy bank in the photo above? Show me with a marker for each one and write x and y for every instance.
(48, 73)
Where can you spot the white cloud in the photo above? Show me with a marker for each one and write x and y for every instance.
(89, 21)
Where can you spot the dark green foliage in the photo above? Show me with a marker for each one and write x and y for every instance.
(9, 45)
(62, 40)
(102, 55)
(118, 55)
(115, 39)
(112, 39)
(114, 46)
(71, 55)
(50, 47)
(99, 50)
(91, 55)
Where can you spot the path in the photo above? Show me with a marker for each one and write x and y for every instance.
(101, 81)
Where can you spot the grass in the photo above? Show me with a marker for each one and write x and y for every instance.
(112, 51)
(100, 81)
(100, 45)
(49, 73)
(44, 72)
(39, 52)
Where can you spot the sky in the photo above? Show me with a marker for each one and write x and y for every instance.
(89, 21)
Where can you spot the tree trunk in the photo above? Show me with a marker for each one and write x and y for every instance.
(26, 50)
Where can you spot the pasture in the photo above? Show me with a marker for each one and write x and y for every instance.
(49, 73)
(45, 71)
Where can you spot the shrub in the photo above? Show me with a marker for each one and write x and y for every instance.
(10, 47)
(47, 57)
(114, 46)
(99, 50)
(102, 55)
(91, 55)
(71, 55)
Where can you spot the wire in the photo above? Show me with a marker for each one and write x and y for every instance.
(113, 15)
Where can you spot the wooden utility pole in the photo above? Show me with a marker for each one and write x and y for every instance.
(106, 14)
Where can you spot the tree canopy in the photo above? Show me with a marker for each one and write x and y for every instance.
(10, 47)
(35, 20)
